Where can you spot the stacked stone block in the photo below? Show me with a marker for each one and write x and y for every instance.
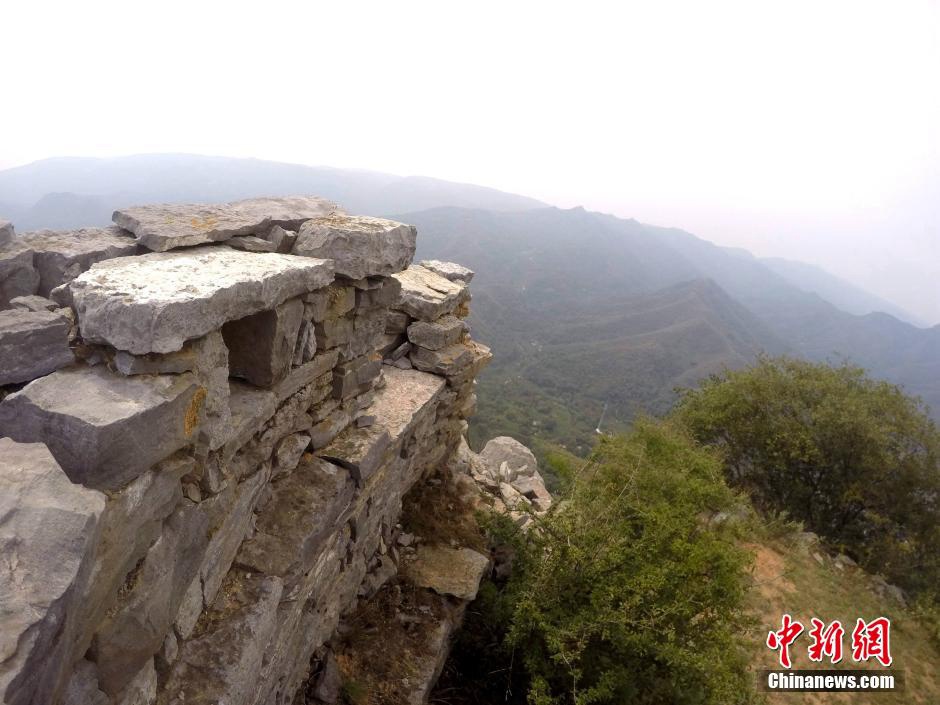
(203, 455)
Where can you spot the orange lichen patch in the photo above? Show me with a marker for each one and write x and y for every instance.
(207, 223)
(191, 420)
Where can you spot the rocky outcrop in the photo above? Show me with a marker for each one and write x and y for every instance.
(164, 227)
(204, 449)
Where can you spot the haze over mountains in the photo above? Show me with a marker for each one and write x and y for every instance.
(660, 307)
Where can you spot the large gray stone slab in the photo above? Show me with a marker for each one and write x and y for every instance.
(156, 302)
(427, 296)
(136, 627)
(447, 571)
(438, 334)
(359, 450)
(18, 276)
(520, 461)
(6, 232)
(360, 246)
(220, 664)
(293, 524)
(102, 428)
(448, 270)
(46, 529)
(32, 344)
(162, 227)
(61, 255)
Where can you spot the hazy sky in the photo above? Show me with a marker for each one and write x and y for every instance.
(800, 129)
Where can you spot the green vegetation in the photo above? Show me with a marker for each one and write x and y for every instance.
(624, 593)
(853, 458)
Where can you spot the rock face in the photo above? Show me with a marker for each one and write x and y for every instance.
(47, 526)
(448, 571)
(251, 445)
(6, 233)
(164, 227)
(359, 246)
(104, 430)
(60, 256)
(32, 344)
(448, 270)
(18, 277)
(183, 295)
(427, 296)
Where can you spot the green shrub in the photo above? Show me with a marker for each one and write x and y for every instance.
(854, 459)
(625, 594)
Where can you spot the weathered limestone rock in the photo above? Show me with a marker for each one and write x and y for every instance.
(532, 487)
(359, 246)
(61, 255)
(261, 346)
(142, 690)
(131, 522)
(33, 303)
(228, 536)
(250, 243)
(296, 520)
(447, 571)
(178, 296)
(18, 276)
(47, 525)
(250, 408)
(448, 270)
(6, 233)
(134, 631)
(359, 450)
(282, 239)
(439, 334)
(103, 429)
(163, 227)
(396, 322)
(289, 451)
(207, 359)
(428, 296)
(220, 664)
(83, 686)
(331, 302)
(446, 361)
(503, 449)
(32, 344)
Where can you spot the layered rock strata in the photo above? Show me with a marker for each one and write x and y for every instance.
(205, 442)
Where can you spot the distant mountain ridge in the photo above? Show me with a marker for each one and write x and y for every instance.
(559, 286)
(842, 294)
(584, 310)
(78, 191)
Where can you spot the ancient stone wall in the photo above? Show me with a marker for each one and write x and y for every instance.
(209, 417)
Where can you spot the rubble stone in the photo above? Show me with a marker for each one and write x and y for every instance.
(183, 295)
(48, 524)
(447, 571)
(32, 344)
(438, 334)
(163, 227)
(448, 270)
(105, 430)
(428, 296)
(360, 246)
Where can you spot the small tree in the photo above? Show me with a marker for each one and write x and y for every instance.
(855, 459)
(624, 594)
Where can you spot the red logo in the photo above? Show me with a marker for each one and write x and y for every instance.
(870, 640)
(781, 640)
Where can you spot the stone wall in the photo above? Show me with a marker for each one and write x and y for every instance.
(209, 417)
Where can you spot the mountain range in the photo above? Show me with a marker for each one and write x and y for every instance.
(593, 318)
